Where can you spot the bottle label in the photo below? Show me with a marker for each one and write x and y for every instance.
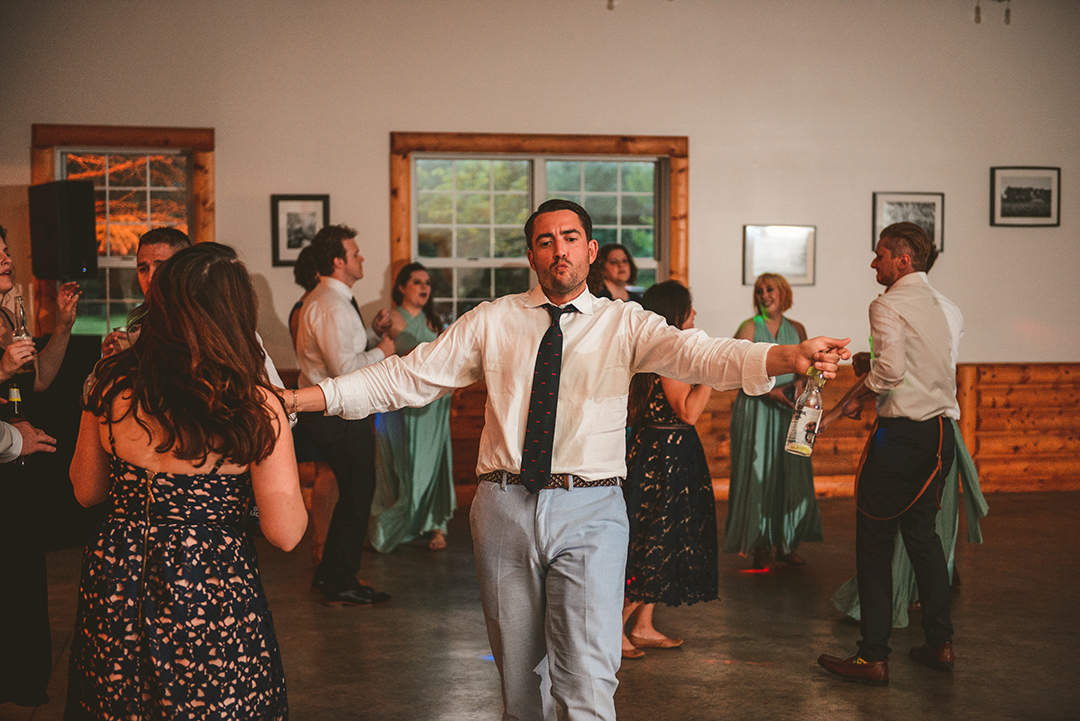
(803, 432)
(14, 394)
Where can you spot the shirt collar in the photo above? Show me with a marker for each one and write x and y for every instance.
(336, 286)
(916, 278)
(583, 303)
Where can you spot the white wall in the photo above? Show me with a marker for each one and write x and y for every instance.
(796, 112)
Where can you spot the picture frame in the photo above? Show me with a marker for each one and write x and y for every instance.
(1025, 197)
(785, 249)
(926, 210)
(294, 221)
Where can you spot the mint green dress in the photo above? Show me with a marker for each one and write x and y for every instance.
(771, 498)
(414, 479)
(905, 591)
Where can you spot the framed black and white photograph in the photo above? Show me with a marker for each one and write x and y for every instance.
(926, 210)
(1026, 197)
(294, 221)
(784, 249)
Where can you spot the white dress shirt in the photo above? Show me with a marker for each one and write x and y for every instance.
(10, 442)
(604, 345)
(916, 333)
(332, 340)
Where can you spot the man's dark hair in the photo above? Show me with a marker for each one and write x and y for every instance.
(328, 244)
(550, 206)
(910, 238)
(172, 237)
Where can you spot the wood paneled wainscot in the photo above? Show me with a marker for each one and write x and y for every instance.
(1021, 423)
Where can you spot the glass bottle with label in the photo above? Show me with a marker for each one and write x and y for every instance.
(22, 332)
(808, 409)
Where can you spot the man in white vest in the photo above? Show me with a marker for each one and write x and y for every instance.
(915, 334)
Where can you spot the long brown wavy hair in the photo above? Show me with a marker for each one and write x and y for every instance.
(196, 368)
(670, 299)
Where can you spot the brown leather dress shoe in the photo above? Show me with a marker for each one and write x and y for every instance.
(855, 669)
(939, 658)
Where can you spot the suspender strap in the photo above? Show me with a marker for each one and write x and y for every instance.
(933, 474)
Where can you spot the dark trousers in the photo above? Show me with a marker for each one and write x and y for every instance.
(349, 447)
(901, 457)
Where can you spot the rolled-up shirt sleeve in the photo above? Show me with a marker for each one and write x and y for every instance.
(10, 442)
(888, 365)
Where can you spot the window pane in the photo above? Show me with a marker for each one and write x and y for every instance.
(638, 177)
(511, 280)
(640, 242)
(602, 177)
(92, 288)
(124, 284)
(511, 174)
(434, 174)
(474, 175)
(637, 210)
(509, 243)
(85, 166)
(576, 197)
(127, 171)
(127, 206)
(474, 208)
(92, 318)
(601, 209)
(465, 306)
(435, 242)
(168, 171)
(563, 176)
(511, 209)
(442, 282)
(474, 283)
(646, 277)
(124, 239)
(167, 208)
(445, 310)
(432, 208)
(605, 235)
(473, 243)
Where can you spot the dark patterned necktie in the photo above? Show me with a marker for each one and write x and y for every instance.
(540, 423)
(354, 304)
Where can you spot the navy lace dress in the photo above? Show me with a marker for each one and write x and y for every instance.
(673, 552)
(172, 620)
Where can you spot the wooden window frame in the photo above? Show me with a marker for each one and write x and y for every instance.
(674, 148)
(47, 138)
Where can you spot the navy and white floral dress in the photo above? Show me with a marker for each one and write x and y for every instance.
(172, 620)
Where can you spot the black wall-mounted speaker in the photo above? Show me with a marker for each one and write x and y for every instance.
(63, 237)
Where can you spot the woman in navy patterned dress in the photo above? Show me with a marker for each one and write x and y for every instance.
(178, 431)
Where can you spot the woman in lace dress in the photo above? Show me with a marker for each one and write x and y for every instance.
(179, 430)
(672, 558)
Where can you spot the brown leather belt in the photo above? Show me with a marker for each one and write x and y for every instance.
(557, 480)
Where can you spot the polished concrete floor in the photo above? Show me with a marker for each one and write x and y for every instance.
(424, 655)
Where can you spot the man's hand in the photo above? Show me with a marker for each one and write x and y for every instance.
(15, 356)
(67, 300)
(382, 322)
(34, 440)
(114, 342)
(386, 345)
(822, 353)
(852, 408)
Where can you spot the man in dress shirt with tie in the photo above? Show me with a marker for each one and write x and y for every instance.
(332, 341)
(915, 334)
(548, 520)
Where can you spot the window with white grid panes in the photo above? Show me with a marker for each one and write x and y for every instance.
(134, 192)
(469, 214)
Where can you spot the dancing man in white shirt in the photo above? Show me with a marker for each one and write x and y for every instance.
(548, 520)
(332, 341)
(915, 334)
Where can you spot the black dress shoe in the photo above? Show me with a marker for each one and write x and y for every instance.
(853, 668)
(360, 595)
(317, 585)
(939, 658)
